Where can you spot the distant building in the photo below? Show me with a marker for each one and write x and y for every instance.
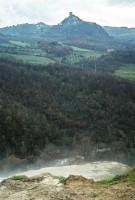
(70, 13)
(110, 50)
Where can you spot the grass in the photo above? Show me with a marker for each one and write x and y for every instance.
(130, 176)
(34, 59)
(19, 43)
(79, 49)
(127, 71)
(18, 178)
(91, 53)
(61, 178)
(81, 54)
(87, 53)
(31, 58)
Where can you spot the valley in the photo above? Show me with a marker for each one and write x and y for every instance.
(35, 53)
(67, 107)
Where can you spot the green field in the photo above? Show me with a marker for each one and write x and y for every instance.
(19, 43)
(81, 54)
(79, 49)
(31, 59)
(127, 71)
(87, 53)
(30, 53)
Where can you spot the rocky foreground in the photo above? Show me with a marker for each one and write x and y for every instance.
(48, 187)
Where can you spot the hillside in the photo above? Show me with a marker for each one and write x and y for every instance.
(47, 110)
(4, 38)
(70, 29)
(123, 33)
(73, 28)
(25, 30)
(74, 32)
(110, 62)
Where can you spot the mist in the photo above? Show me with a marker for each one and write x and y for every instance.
(70, 162)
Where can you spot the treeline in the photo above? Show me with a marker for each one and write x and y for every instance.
(55, 48)
(62, 107)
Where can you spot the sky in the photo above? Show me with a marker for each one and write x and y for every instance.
(103, 12)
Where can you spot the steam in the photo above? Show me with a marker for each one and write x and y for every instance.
(72, 165)
(97, 165)
(8, 168)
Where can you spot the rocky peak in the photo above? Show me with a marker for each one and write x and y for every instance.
(71, 20)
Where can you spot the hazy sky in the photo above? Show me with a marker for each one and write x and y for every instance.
(103, 12)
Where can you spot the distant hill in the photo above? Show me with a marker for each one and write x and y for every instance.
(75, 32)
(71, 28)
(122, 33)
(26, 30)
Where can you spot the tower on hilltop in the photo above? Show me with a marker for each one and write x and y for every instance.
(70, 14)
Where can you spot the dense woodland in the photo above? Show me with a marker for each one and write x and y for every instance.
(56, 107)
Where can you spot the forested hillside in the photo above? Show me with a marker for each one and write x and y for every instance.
(63, 107)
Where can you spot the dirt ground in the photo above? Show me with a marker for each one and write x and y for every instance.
(48, 187)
